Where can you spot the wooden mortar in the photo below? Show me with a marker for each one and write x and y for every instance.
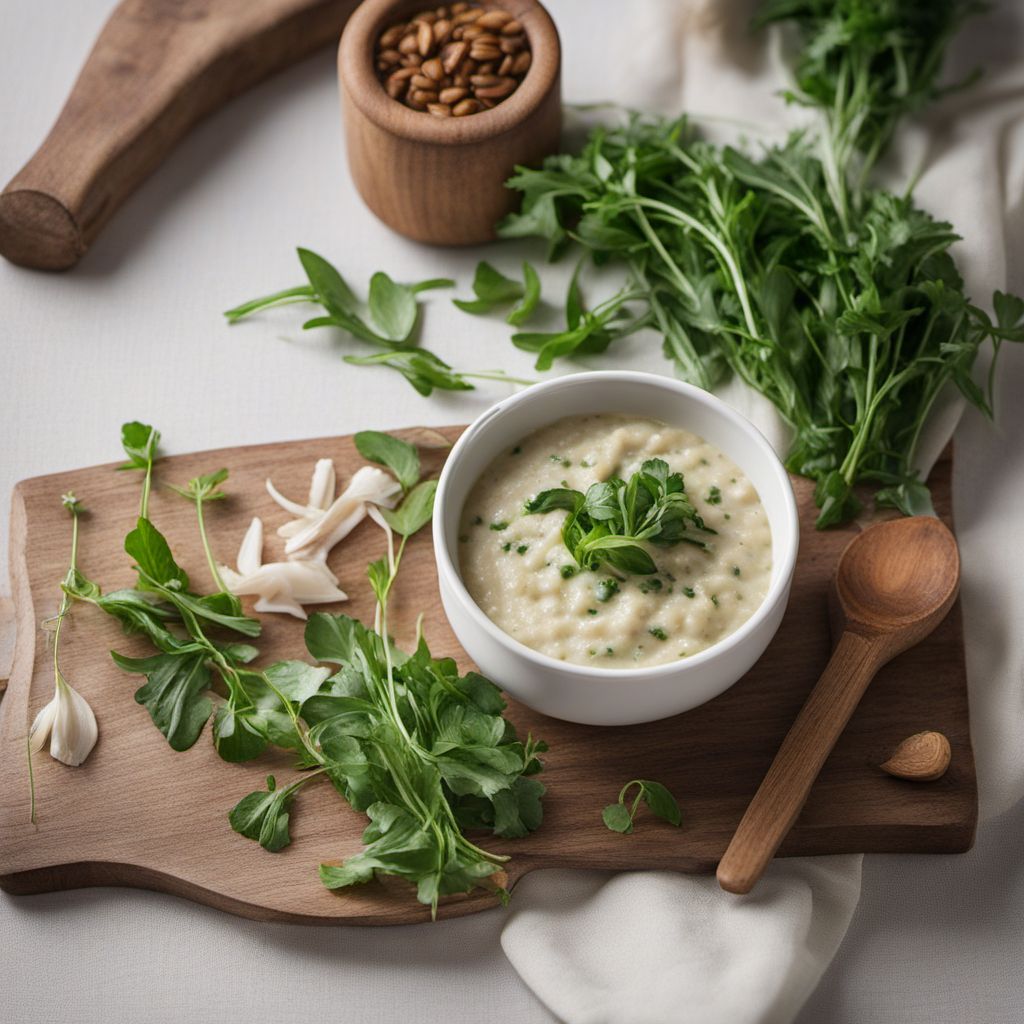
(442, 180)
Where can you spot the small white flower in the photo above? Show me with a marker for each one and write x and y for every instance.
(280, 586)
(69, 723)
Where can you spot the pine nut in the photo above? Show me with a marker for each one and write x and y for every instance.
(424, 38)
(494, 19)
(433, 69)
(452, 95)
(466, 107)
(439, 109)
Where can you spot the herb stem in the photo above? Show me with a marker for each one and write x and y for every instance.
(210, 560)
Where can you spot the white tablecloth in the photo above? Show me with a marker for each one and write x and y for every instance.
(135, 331)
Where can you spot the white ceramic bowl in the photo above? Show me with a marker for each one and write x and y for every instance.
(622, 696)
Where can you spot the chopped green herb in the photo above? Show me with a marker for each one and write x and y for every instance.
(714, 496)
(499, 526)
(689, 592)
(507, 546)
(591, 611)
(714, 600)
(560, 459)
(566, 571)
(650, 584)
(477, 520)
(606, 589)
(522, 549)
(518, 450)
(658, 633)
(736, 570)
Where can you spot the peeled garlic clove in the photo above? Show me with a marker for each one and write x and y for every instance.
(923, 757)
(250, 553)
(322, 486)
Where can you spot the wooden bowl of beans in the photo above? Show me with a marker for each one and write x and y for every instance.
(440, 104)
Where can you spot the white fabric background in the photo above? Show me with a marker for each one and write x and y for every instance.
(135, 331)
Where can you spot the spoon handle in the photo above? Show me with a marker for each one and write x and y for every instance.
(785, 788)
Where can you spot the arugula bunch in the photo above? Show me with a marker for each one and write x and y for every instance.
(834, 298)
(423, 751)
(609, 523)
(387, 321)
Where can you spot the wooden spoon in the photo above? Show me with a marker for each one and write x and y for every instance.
(894, 584)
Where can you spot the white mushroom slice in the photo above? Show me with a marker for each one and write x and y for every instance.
(282, 605)
(250, 553)
(322, 486)
(315, 539)
(289, 506)
(304, 581)
(321, 494)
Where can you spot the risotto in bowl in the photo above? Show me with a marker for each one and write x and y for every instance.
(614, 547)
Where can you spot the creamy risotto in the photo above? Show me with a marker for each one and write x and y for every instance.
(519, 571)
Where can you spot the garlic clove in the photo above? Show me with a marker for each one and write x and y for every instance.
(923, 757)
(322, 486)
(368, 484)
(74, 730)
(39, 733)
(250, 553)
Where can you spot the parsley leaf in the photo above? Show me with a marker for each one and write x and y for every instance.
(619, 817)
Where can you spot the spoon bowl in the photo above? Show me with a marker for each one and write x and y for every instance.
(898, 579)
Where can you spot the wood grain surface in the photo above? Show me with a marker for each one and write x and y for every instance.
(156, 68)
(139, 814)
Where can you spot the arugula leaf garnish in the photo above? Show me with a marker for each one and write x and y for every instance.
(492, 289)
(619, 817)
(610, 522)
(399, 456)
(264, 816)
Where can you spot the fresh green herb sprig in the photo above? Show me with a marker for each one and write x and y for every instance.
(423, 751)
(74, 507)
(609, 523)
(388, 321)
(493, 289)
(834, 298)
(587, 332)
(619, 817)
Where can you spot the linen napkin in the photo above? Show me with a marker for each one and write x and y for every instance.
(643, 948)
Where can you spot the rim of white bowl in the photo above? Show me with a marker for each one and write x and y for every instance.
(788, 532)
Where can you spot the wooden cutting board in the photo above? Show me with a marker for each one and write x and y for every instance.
(140, 814)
